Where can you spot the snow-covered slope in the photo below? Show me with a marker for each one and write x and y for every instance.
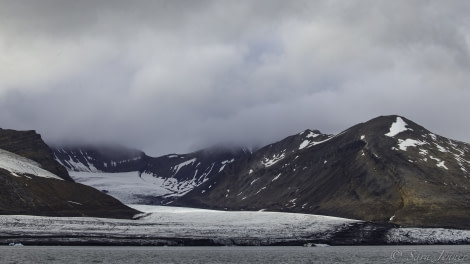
(133, 177)
(21, 166)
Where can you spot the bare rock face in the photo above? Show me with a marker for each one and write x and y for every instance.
(387, 170)
(33, 183)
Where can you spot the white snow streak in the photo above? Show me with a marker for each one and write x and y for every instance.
(276, 157)
(182, 164)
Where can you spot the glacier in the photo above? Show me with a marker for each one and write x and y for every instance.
(178, 226)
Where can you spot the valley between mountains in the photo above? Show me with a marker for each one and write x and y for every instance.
(387, 170)
(384, 181)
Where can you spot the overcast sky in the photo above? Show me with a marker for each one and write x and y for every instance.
(176, 76)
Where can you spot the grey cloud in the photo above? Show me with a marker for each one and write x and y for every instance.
(174, 76)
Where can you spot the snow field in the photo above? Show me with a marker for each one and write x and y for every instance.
(125, 186)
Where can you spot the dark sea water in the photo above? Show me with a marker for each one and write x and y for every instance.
(338, 254)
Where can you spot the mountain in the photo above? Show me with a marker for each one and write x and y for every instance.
(29, 144)
(388, 170)
(33, 183)
(105, 158)
(133, 177)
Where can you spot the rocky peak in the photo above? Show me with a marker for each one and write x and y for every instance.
(388, 169)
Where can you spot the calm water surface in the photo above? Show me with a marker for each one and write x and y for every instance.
(346, 254)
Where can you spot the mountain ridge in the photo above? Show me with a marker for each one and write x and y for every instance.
(386, 170)
(360, 173)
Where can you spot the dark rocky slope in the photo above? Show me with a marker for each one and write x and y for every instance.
(387, 170)
(51, 197)
(29, 144)
(22, 191)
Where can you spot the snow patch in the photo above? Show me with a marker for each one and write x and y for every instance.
(397, 127)
(308, 144)
(179, 166)
(403, 144)
(440, 148)
(312, 135)
(224, 163)
(276, 158)
(434, 137)
(440, 163)
(304, 144)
